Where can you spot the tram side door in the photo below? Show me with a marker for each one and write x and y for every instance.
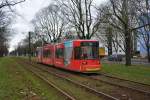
(68, 52)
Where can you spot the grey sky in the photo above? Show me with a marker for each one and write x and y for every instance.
(28, 10)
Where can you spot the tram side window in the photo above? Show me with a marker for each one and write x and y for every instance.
(46, 53)
(60, 53)
(77, 51)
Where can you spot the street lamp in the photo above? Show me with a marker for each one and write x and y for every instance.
(29, 52)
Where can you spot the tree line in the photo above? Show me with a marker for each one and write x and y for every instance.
(6, 14)
(115, 18)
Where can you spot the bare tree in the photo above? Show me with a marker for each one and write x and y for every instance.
(110, 36)
(5, 21)
(49, 22)
(9, 3)
(144, 33)
(79, 14)
(122, 16)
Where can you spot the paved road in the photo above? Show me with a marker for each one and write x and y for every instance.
(134, 61)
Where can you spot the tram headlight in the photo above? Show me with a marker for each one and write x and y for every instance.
(84, 63)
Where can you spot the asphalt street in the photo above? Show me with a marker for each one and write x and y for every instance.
(135, 61)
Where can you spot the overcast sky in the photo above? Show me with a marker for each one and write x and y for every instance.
(22, 24)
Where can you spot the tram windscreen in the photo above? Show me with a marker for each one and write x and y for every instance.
(87, 50)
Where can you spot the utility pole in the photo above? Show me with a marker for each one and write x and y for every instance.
(29, 52)
(42, 47)
(109, 40)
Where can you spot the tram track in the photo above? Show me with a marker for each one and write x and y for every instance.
(135, 86)
(67, 95)
(89, 77)
(123, 95)
(110, 76)
(121, 88)
(87, 88)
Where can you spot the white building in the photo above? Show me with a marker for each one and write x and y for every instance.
(117, 44)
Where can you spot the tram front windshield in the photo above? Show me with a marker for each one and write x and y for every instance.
(87, 50)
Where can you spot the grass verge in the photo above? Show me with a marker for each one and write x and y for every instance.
(139, 73)
(17, 83)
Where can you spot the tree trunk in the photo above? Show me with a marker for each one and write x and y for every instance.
(109, 40)
(128, 47)
(148, 54)
(109, 47)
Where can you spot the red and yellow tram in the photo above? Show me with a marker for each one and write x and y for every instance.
(75, 55)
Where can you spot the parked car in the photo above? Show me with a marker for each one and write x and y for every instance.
(115, 57)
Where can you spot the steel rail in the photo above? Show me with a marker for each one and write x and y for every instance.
(122, 86)
(104, 74)
(118, 85)
(98, 93)
(69, 97)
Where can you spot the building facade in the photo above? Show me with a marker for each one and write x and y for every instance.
(144, 35)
